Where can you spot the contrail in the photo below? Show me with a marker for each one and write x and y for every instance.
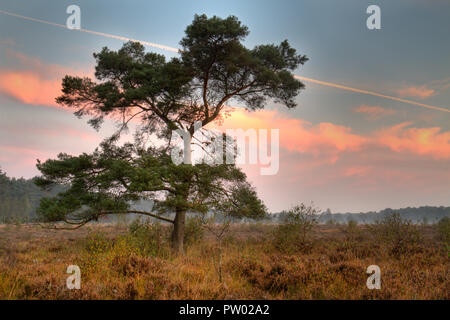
(334, 85)
(108, 35)
(172, 49)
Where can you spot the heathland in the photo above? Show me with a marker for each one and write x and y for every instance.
(245, 261)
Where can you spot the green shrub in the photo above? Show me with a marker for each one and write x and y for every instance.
(443, 228)
(96, 243)
(400, 235)
(293, 234)
(193, 232)
(351, 231)
(149, 238)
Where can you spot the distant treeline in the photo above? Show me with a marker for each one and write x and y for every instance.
(19, 199)
(426, 214)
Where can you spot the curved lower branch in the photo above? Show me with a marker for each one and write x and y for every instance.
(53, 227)
(83, 222)
(151, 215)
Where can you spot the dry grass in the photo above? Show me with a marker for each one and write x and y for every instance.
(33, 264)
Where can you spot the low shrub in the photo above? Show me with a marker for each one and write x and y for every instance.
(400, 235)
(96, 243)
(150, 238)
(193, 232)
(352, 231)
(294, 234)
(443, 229)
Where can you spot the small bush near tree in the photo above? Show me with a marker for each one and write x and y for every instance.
(194, 230)
(150, 238)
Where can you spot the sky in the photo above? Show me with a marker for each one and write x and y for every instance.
(348, 151)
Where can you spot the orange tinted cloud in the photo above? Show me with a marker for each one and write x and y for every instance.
(421, 92)
(33, 81)
(297, 134)
(29, 88)
(21, 161)
(423, 141)
(374, 112)
(328, 139)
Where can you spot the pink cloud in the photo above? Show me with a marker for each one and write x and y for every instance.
(33, 81)
(297, 134)
(324, 138)
(420, 92)
(29, 87)
(422, 141)
(19, 159)
(374, 112)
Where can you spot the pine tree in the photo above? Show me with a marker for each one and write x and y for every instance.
(214, 68)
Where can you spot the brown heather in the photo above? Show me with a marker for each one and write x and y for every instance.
(120, 264)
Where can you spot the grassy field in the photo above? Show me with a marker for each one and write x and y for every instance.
(249, 262)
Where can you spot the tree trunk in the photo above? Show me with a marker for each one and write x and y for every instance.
(178, 231)
(180, 213)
